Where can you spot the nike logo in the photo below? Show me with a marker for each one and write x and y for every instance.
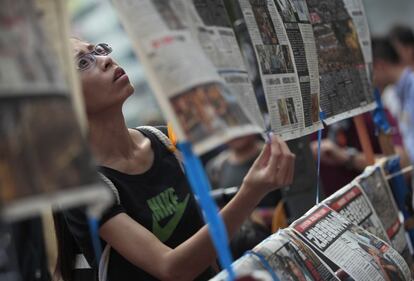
(165, 232)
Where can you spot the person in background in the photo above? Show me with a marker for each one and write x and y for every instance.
(402, 39)
(389, 69)
(155, 230)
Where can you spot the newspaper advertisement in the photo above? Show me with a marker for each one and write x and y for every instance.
(352, 203)
(192, 95)
(26, 66)
(288, 257)
(278, 70)
(296, 20)
(378, 191)
(345, 85)
(44, 161)
(210, 24)
(358, 254)
(357, 12)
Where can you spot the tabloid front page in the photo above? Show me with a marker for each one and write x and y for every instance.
(191, 93)
(358, 254)
(352, 203)
(288, 257)
(378, 191)
(210, 25)
(279, 72)
(345, 86)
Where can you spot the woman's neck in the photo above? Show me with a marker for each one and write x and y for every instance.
(114, 145)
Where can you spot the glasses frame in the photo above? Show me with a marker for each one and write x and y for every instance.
(91, 57)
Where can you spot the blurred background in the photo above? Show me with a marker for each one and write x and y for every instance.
(96, 21)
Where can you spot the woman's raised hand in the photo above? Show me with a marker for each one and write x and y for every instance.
(273, 168)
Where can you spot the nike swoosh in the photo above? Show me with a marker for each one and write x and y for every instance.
(163, 233)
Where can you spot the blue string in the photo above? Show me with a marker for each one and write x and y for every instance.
(265, 264)
(318, 173)
(96, 242)
(201, 187)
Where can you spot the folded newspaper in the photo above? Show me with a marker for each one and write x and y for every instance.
(357, 253)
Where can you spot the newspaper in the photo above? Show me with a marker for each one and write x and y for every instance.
(378, 191)
(358, 254)
(192, 95)
(291, 112)
(357, 12)
(345, 87)
(44, 161)
(55, 22)
(352, 203)
(26, 66)
(210, 24)
(288, 257)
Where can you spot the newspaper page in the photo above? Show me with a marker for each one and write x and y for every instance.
(26, 68)
(44, 161)
(288, 257)
(352, 203)
(277, 67)
(345, 87)
(296, 20)
(54, 17)
(378, 191)
(210, 24)
(191, 93)
(358, 254)
(357, 12)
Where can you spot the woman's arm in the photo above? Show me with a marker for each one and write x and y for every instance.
(273, 169)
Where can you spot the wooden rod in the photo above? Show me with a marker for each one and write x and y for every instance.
(364, 139)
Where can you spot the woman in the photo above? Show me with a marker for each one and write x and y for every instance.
(156, 232)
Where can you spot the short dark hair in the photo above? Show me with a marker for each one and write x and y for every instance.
(383, 49)
(402, 34)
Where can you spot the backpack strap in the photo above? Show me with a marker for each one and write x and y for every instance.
(164, 139)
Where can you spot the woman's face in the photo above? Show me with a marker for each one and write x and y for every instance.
(105, 84)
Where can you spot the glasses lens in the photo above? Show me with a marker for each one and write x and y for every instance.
(102, 49)
(86, 61)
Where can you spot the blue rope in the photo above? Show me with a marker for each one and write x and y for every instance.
(201, 187)
(264, 262)
(318, 173)
(96, 242)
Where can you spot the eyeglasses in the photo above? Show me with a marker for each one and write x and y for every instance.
(87, 61)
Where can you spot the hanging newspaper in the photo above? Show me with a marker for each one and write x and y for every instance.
(55, 22)
(191, 93)
(351, 202)
(26, 67)
(296, 20)
(292, 113)
(345, 88)
(210, 24)
(378, 191)
(357, 12)
(44, 161)
(358, 254)
(288, 257)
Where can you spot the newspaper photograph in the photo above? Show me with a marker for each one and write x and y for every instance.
(357, 12)
(358, 254)
(211, 26)
(278, 70)
(378, 191)
(345, 85)
(44, 162)
(296, 20)
(194, 98)
(26, 66)
(352, 203)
